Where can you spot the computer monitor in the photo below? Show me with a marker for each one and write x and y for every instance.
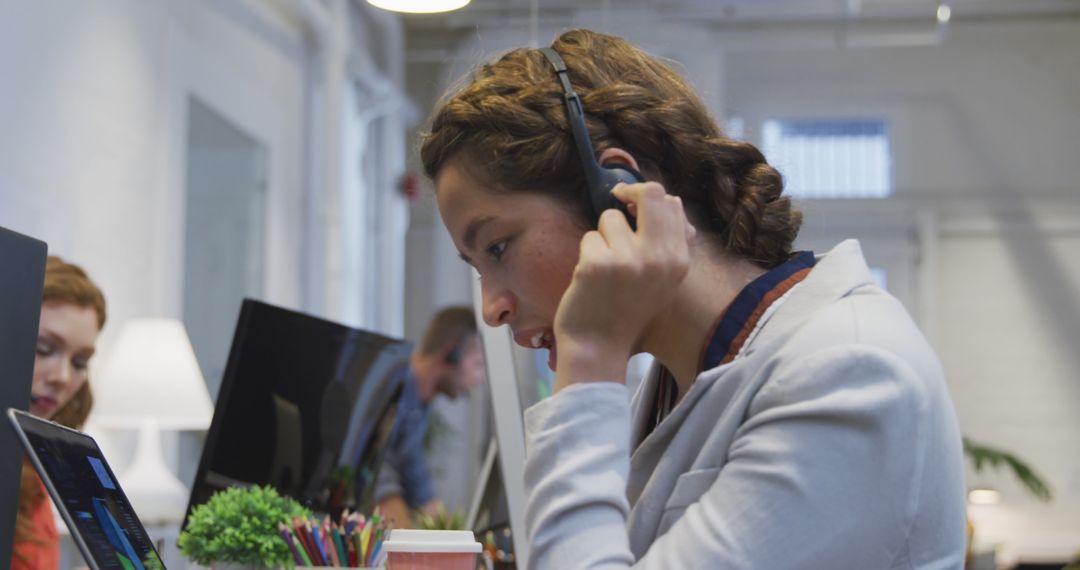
(306, 406)
(22, 273)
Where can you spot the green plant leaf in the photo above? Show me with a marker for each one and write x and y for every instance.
(441, 520)
(239, 525)
(983, 456)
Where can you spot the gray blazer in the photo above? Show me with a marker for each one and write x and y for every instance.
(829, 442)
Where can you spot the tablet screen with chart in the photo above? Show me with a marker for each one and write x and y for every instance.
(87, 494)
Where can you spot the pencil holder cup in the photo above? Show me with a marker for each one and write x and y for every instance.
(409, 549)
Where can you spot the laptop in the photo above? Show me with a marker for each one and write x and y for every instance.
(22, 271)
(87, 495)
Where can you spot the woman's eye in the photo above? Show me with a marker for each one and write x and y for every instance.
(496, 250)
(44, 350)
(80, 363)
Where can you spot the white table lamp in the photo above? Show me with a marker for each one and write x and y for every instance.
(151, 381)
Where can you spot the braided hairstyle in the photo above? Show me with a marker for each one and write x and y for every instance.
(508, 127)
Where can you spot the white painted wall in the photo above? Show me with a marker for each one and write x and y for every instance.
(83, 152)
(247, 63)
(1009, 298)
(93, 153)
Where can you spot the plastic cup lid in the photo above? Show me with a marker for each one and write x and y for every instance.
(447, 541)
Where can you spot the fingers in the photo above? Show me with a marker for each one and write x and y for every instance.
(638, 196)
(657, 213)
(593, 249)
(660, 243)
(616, 230)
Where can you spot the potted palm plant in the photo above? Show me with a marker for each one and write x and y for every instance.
(983, 456)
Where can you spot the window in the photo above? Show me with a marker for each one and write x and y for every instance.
(830, 158)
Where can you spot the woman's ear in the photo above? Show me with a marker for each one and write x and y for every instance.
(616, 156)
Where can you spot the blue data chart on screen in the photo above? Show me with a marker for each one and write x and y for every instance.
(105, 520)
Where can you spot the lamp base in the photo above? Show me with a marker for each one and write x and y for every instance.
(155, 493)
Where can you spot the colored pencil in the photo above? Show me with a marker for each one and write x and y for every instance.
(342, 555)
(305, 541)
(365, 534)
(319, 549)
(353, 541)
(287, 537)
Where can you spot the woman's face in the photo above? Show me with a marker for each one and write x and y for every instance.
(524, 245)
(66, 337)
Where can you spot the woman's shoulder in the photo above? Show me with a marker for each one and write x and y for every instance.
(869, 324)
(838, 308)
(860, 355)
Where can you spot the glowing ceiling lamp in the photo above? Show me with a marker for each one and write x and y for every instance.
(944, 13)
(419, 6)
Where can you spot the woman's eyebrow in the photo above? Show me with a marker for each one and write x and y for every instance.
(50, 336)
(473, 229)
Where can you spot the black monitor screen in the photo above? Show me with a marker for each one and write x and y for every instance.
(306, 406)
(22, 260)
(85, 489)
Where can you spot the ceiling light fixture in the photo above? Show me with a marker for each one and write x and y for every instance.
(419, 6)
(944, 14)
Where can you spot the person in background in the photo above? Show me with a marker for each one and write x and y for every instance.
(448, 360)
(72, 315)
(795, 416)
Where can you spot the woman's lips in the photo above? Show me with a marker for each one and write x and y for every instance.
(542, 339)
(539, 340)
(43, 403)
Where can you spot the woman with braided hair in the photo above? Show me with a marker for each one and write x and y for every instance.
(72, 314)
(795, 417)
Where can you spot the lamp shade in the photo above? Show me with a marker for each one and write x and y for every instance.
(151, 373)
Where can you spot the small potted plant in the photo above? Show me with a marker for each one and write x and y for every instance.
(441, 520)
(239, 526)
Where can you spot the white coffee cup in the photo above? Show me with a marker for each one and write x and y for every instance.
(409, 549)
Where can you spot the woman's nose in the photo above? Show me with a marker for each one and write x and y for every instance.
(61, 371)
(499, 305)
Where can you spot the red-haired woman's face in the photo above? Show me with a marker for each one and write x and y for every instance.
(66, 337)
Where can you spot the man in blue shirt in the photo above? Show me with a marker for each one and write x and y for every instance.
(448, 360)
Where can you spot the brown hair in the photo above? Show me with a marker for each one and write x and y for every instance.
(509, 127)
(64, 283)
(450, 326)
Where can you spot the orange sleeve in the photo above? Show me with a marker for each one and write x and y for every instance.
(43, 553)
